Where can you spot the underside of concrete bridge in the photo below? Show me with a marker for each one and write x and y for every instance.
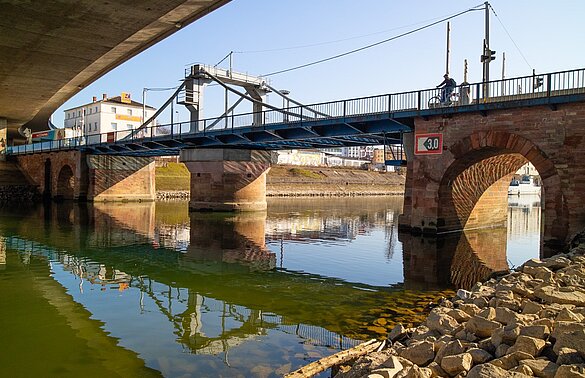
(50, 50)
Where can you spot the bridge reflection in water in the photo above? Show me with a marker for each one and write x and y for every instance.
(212, 277)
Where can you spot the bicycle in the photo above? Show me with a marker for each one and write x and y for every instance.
(435, 101)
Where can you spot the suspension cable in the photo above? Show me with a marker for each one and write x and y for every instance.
(477, 7)
(509, 36)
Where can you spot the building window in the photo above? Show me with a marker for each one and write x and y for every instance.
(129, 112)
(96, 109)
(89, 110)
(114, 126)
(79, 113)
(114, 109)
(95, 127)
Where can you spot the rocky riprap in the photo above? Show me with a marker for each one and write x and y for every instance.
(529, 322)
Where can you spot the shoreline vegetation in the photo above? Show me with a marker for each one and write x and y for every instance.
(528, 322)
(172, 182)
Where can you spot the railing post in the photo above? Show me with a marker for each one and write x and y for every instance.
(344, 108)
(548, 84)
(419, 100)
(477, 87)
(389, 103)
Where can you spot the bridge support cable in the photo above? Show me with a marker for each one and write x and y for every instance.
(297, 103)
(156, 114)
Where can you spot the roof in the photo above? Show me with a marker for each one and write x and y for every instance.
(115, 100)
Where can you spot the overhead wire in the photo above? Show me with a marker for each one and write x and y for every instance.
(509, 36)
(477, 7)
(329, 42)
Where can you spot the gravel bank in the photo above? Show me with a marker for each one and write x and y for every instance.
(530, 322)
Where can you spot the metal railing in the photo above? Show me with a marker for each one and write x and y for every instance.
(466, 95)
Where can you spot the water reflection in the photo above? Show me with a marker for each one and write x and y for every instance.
(242, 294)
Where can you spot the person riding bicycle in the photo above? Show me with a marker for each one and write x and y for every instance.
(448, 85)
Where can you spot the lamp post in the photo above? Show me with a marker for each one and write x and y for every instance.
(285, 104)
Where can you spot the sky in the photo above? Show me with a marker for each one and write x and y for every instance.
(272, 35)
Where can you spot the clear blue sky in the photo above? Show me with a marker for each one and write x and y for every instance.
(549, 35)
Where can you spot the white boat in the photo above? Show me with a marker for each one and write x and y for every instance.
(525, 185)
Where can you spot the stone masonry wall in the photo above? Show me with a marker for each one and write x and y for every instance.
(552, 140)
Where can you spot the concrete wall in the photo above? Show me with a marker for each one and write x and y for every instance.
(466, 185)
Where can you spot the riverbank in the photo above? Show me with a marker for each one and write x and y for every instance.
(172, 182)
(529, 322)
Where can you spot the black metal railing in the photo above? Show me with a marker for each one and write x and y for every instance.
(521, 88)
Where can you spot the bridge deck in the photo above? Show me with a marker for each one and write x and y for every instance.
(361, 121)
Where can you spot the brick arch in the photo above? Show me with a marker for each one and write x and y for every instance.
(65, 183)
(475, 184)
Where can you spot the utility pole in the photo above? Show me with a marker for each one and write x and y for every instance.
(488, 55)
(503, 72)
(448, 46)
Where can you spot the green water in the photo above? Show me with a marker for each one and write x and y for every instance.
(143, 289)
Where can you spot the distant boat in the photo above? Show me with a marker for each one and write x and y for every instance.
(525, 185)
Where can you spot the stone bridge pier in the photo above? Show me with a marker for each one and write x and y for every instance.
(227, 179)
(73, 175)
(465, 187)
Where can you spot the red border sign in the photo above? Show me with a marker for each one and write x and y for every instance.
(428, 144)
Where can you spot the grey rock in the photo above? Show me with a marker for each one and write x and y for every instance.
(479, 356)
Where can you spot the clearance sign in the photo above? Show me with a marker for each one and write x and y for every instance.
(428, 144)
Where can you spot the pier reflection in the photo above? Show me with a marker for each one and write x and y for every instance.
(308, 272)
(459, 259)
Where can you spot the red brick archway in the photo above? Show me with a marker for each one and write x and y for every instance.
(473, 190)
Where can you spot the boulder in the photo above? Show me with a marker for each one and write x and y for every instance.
(530, 307)
(459, 315)
(436, 370)
(450, 349)
(397, 333)
(507, 335)
(527, 344)
(506, 362)
(501, 350)
(479, 356)
(481, 327)
(573, 339)
(418, 372)
(488, 313)
(442, 323)
(389, 369)
(567, 315)
(504, 315)
(457, 363)
(571, 371)
(563, 295)
(470, 309)
(541, 368)
(487, 371)
(568, 356)
(420, 354)
(537, 331)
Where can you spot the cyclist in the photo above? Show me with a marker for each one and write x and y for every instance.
(448, 85)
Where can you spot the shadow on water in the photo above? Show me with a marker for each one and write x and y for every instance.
(267, 286)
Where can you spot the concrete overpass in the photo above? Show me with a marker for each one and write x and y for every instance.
(50, 50)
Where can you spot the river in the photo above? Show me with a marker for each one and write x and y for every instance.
(147, 289)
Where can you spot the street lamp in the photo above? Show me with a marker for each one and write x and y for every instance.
(285, 103)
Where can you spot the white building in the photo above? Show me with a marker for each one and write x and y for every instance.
(114, 117)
